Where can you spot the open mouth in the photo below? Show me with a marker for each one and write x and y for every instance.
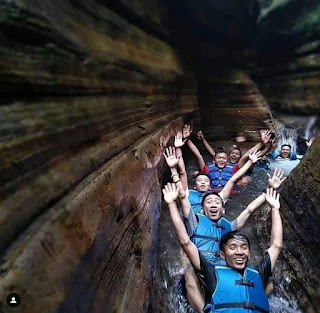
(213, 210)
(239, 260)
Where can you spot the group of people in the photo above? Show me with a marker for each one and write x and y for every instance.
(220, 279)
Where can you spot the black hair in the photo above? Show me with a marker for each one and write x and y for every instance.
(286, 145)
(201, 174)
(235, 234)
(235, 148)
(209, 194)
(220, 151)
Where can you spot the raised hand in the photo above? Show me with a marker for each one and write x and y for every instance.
(170, 157)
(265, 135)
(178, 142)
(200, 135)
(273, 198)
(276, 179)
(170, 193)
(186, 131)
(310, 142)
(255, 156)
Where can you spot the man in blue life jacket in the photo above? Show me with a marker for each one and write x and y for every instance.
(220, 170)
(285, 153)
(207, 229)
(234, 154)
(174, 159)
(235, 286)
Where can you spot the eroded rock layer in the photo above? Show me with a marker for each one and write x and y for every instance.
(89, 101)
(288, 53)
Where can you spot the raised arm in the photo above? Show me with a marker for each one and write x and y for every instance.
(172, 162)
(226, 191)
(178, 143)
(186, 132)
(206, 144)
(277, 178)
(276, 229)
(264, 138)
(170, 193)
(251, 208)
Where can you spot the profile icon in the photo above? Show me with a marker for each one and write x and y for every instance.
(13, 299)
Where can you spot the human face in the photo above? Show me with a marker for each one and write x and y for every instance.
(202, 183)
(236, 253)
(234, 156)
(212, 207)
(221, 159)
(285, 152)
(264, 159)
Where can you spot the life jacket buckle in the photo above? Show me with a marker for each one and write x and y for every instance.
(249, 305)
(245, 282)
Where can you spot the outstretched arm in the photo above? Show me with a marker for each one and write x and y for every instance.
(251, 208)
(226, 191)
(206, 144)
(276, 229)
(186, 135)
(178, 143)
(265, 136)
(170, 193)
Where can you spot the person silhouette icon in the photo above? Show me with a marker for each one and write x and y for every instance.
(13, 300)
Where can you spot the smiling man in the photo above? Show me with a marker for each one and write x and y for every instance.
(235, 286)
(285, 153)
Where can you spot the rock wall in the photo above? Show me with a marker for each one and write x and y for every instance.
(88, 103)
(288, 55)
(299, 271)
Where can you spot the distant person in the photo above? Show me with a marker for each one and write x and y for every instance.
(234, 154)
(284, 159)
(285, 153)
(174, 159)
(263, 163)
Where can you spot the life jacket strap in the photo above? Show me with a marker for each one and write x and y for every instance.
(206, 237)
(244, 305)
(244, 282)
(219, 226)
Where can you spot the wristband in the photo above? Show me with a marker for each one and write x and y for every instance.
(174, 175)
(177, 181)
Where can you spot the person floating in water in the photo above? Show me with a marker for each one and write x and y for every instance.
(200, 226)
(173, 157)
(235, 285)
(220, 170)
(285, 153)
(234, 154)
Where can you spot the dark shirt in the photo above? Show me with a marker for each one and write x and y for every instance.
(208, 278)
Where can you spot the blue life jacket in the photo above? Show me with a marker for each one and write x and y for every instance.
(238, 294)
(195, 199)
(232, 164)
(275, 154)
(207, 236)
(264, 166)
(219, 176)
